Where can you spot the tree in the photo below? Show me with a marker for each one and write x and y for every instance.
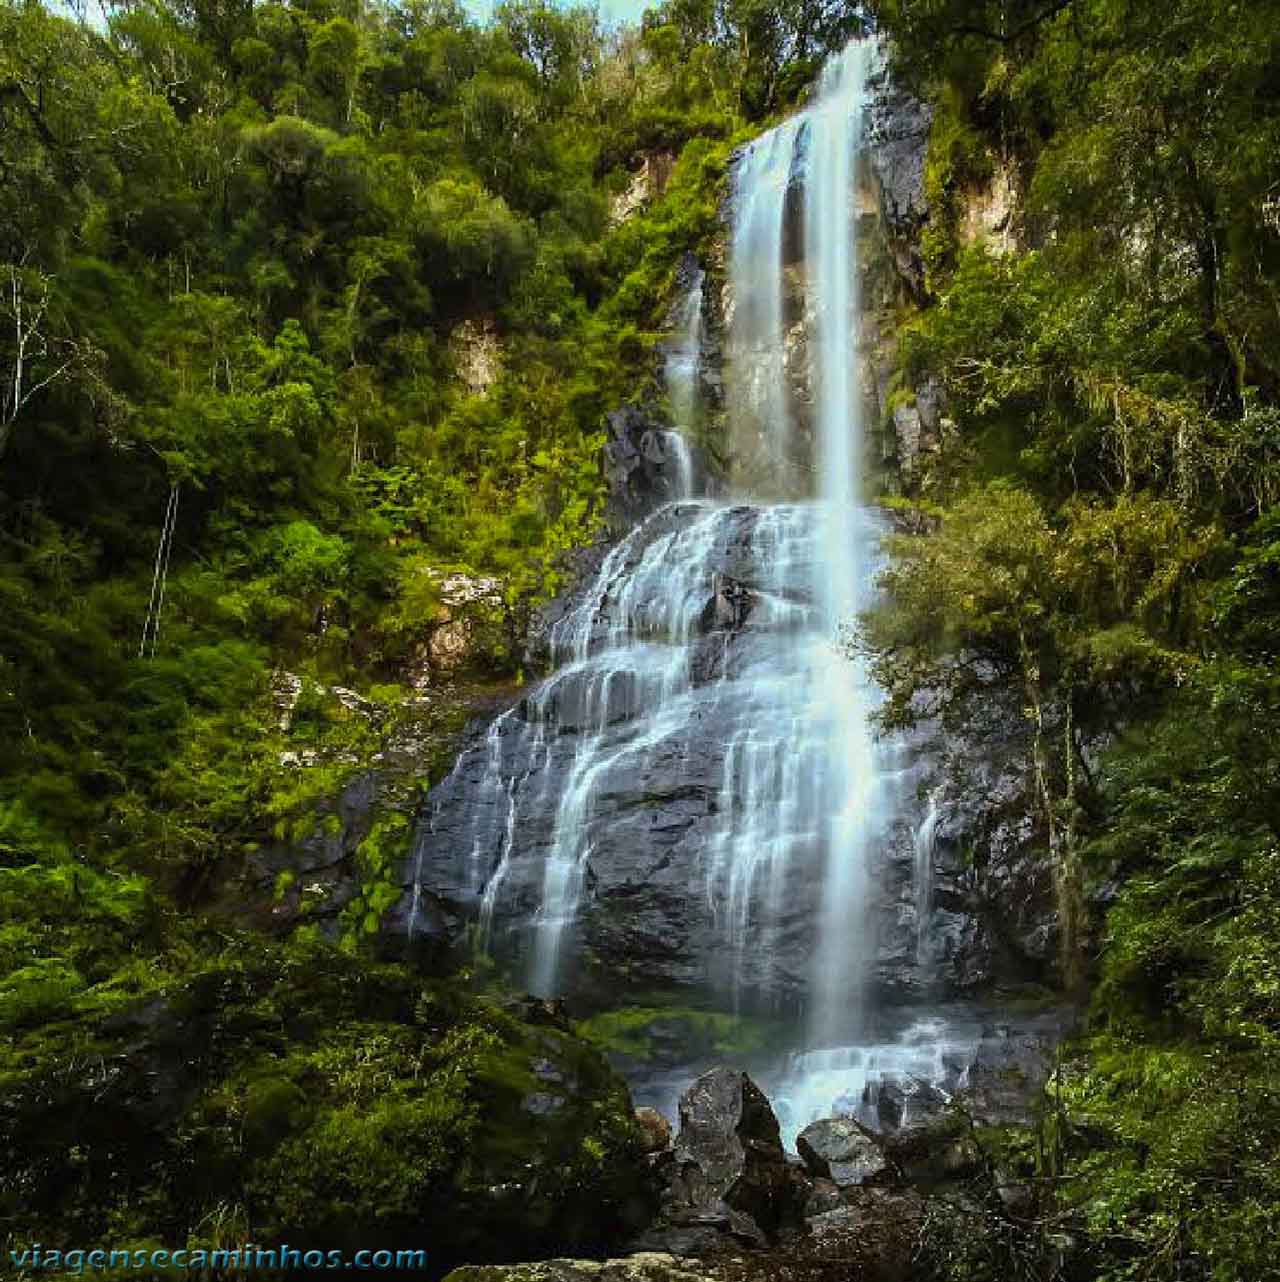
(34, 354)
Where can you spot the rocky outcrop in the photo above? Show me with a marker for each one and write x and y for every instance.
(729, 1179)
(992, 213)
(897, 144)
(729, 1150)
(989, 917)
(644, 921)
(281, 884)
(461, 629)
(476, 352)
(919, 428)
(648, 180)
(872, 1235)
(642, 466)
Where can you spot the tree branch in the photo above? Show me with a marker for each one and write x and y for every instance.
(1007, 38)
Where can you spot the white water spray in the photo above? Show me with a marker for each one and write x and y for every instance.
(760, 418)
(728, 617)
(857, 814)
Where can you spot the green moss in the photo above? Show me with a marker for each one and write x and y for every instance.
(632, 1031)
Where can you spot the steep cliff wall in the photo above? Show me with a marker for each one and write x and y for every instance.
(964, 901)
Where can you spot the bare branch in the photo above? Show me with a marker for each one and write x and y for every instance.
(1006, 38)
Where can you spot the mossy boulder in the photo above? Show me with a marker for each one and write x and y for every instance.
(318, 1100)
(647, 1266)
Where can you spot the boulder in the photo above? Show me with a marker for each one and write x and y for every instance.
(729, 1150)
(839, 1149)
(892, 1103)
(648, 1266)
(655, 1129)
(934, 1148)
(872, 1234)
(1006, 1076)
(824, 1195)
(729, 1182)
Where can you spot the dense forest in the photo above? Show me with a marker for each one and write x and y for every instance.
(248, 256)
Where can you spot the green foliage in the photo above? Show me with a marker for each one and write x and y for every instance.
(248, 242)
(324, 1099)
(68, 928)
(380, 856)
(1102, 555)
(248, 438)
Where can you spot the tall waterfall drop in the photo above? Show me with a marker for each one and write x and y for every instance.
(856, 819)
(691, 804)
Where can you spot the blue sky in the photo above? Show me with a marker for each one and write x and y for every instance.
(610, 10)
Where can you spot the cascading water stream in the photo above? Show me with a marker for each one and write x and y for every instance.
(835, 125)
(701, 672)
(683, 364)
(926, 838)
(760, 419)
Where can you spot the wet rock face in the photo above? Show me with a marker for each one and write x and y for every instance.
(641, 466)
(647, 842)
(897, 144)
(652, 839)
(840, 1150)
(990, 915)
(729, 1179)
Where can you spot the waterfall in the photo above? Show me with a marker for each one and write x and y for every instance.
(760, 422)
(695, 797)
(683, 365)
(677, 447)
(835, 124)
(925, 847)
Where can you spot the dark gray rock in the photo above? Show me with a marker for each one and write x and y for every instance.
(729, 1181)
(892, 1104)
(933, 1148)
(1004, 1082)
(638, 928)
(897, 143)
(824, 1195)
(280, 884)
(640, 466)
(729, 1150)
(840, 1150)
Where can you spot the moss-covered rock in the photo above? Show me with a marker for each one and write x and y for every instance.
(645, 1267)
(305, 1096)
